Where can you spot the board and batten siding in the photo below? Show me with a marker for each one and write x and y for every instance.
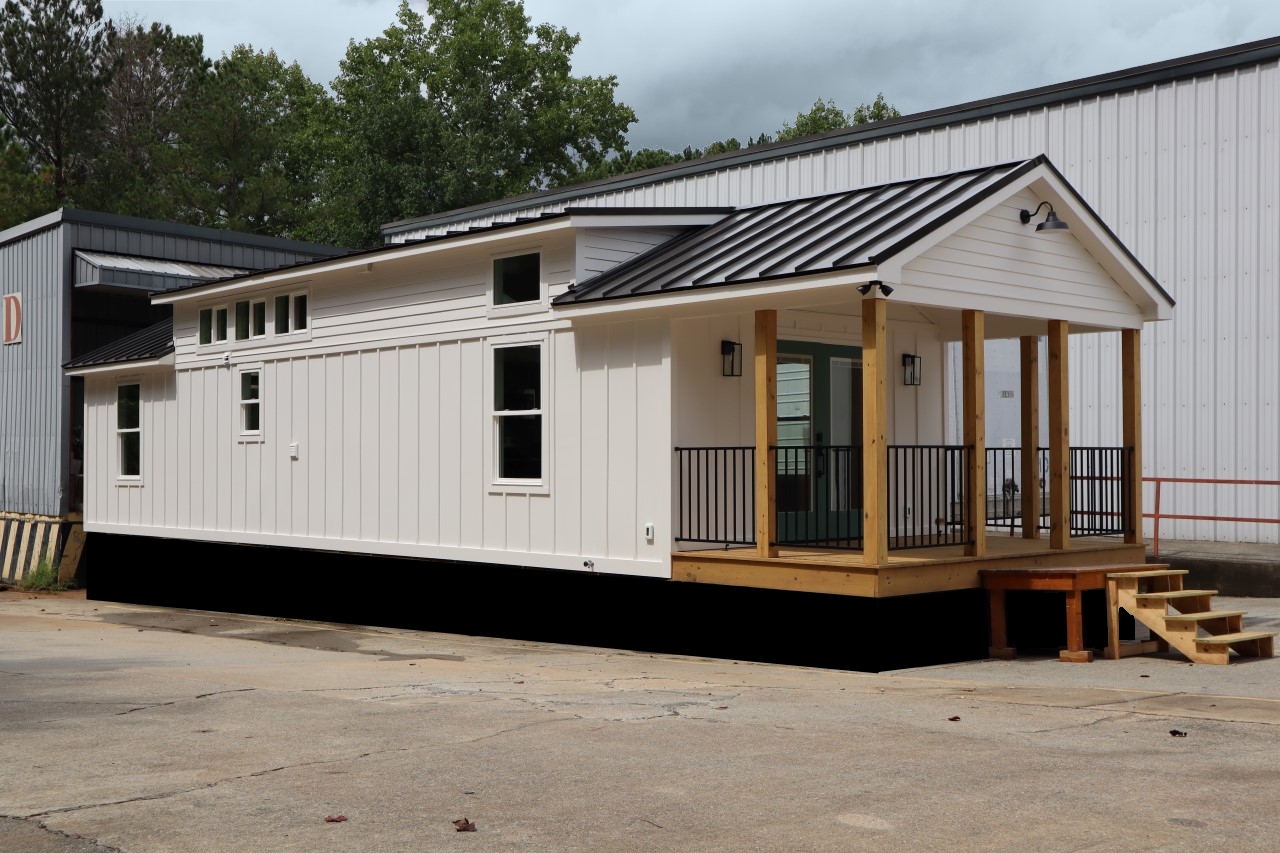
(1187, 174)
(33, 389)
(389, 405)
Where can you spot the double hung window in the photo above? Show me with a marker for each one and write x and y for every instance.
(518, 413)
(129, 430)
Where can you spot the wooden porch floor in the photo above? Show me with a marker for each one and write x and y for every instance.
(911, 572)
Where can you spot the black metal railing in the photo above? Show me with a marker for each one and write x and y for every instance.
(1098, 477)
(716, 492)
(1006, 488)
(819, 495)
(927, 496)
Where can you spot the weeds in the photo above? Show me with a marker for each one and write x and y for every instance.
(43, 578)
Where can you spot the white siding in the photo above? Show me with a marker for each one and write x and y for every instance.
(1187, 174)
(392, 421)
(601, 249)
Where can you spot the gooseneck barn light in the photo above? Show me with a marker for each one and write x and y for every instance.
(1051, 220)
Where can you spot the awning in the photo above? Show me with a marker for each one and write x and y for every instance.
(103, 271)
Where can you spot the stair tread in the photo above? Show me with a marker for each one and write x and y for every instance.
(1149, 573)
(1177, 593)
(1203, 617)
(1227, 639)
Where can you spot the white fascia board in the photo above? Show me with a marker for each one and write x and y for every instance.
(777, 293)
(149, 365)
(644, 220)
(353, 264)
(954, 300)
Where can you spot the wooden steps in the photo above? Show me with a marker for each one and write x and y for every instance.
(1148, 596)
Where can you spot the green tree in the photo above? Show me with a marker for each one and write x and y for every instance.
(154, 76)
(824, 117)
(25, 193)
(877, 110)
(246, 146)
(52, 81)
(478, 106)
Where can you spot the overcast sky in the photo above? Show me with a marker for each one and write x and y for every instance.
(700, 70)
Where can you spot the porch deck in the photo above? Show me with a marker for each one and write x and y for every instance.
(922, 570)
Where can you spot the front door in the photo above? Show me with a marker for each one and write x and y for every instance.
(819, 458)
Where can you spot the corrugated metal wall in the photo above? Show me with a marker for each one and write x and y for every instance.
(1188, 176)
(32, 385)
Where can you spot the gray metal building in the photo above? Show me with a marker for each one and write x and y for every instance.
(70, 282)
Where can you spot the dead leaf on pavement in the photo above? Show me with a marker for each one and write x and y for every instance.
(464, 825)
(1177, 733)
(953, 719)
(335, 818)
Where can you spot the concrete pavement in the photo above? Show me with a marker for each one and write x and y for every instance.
(145, 729)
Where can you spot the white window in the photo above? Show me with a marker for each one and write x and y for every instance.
(517, 285)
(129, 430)
(220, 325)
(249, 402)
(289, 313)
(519, 428)
(242, 320)
(213, 326)
(206, 326)
(258, 318)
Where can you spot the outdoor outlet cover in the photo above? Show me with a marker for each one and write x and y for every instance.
(293, 450)
(648, 532)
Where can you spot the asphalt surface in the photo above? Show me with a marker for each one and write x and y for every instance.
(147, 729)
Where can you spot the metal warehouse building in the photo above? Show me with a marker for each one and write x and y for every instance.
(71, 282)
(1181, 158)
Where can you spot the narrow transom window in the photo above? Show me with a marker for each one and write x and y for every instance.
(206, 325)
(129, 429)
(250, 402)
(299, 311)
(242, 321)
(258, 318)
(282, 315)
(517, 411)
(220, 325)
(517, 279)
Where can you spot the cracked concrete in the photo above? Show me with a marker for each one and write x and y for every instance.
(138, 729)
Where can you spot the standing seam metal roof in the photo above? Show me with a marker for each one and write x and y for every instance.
(846, 230)
(153, 342)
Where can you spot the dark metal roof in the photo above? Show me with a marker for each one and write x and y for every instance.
(392, 248)
(94, 269)
(147, 345)
(846, 230)
(1186, 67)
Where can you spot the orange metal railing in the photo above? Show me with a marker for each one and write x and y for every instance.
(1157, 514)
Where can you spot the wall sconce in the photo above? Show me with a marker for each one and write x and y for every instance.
(1051, 220)
(910, 369)
(730, 358)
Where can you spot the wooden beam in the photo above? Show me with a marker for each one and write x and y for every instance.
(1131, 404)
(1030, 347)
(875, 430)
(766, 411)
(975, 488)
(1059, 439)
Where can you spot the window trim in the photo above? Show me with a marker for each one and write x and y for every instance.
(117, 431)
(254, 305)
(242, 435)
(532, 306)
(509, 485)
(268, 304)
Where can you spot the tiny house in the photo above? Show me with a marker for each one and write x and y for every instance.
(748, 396)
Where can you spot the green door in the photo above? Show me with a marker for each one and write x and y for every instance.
(819, 436)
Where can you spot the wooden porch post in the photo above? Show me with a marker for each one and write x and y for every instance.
(975, 487)
(1059, 440)
(875, 430)
(1030, 346)
(766, 406)
(1131, 405)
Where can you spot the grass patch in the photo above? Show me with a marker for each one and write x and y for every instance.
(43, 578)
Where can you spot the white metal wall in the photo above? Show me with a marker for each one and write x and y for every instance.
(1187, 174)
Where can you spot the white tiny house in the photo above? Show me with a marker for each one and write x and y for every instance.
(613, 389)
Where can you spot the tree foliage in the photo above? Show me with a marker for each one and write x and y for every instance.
(478, 106)
(25, 193)
(52, 81)
(826, 116)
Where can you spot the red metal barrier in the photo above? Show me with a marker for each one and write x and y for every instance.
(1157, 515)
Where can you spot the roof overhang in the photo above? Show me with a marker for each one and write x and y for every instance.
(144, 365)
(102, 271)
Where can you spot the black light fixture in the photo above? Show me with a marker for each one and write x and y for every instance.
(910, 369)
(1051, 220)
(730, 358)
(885, 290)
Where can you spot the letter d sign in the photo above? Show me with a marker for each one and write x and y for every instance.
(13, 318)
